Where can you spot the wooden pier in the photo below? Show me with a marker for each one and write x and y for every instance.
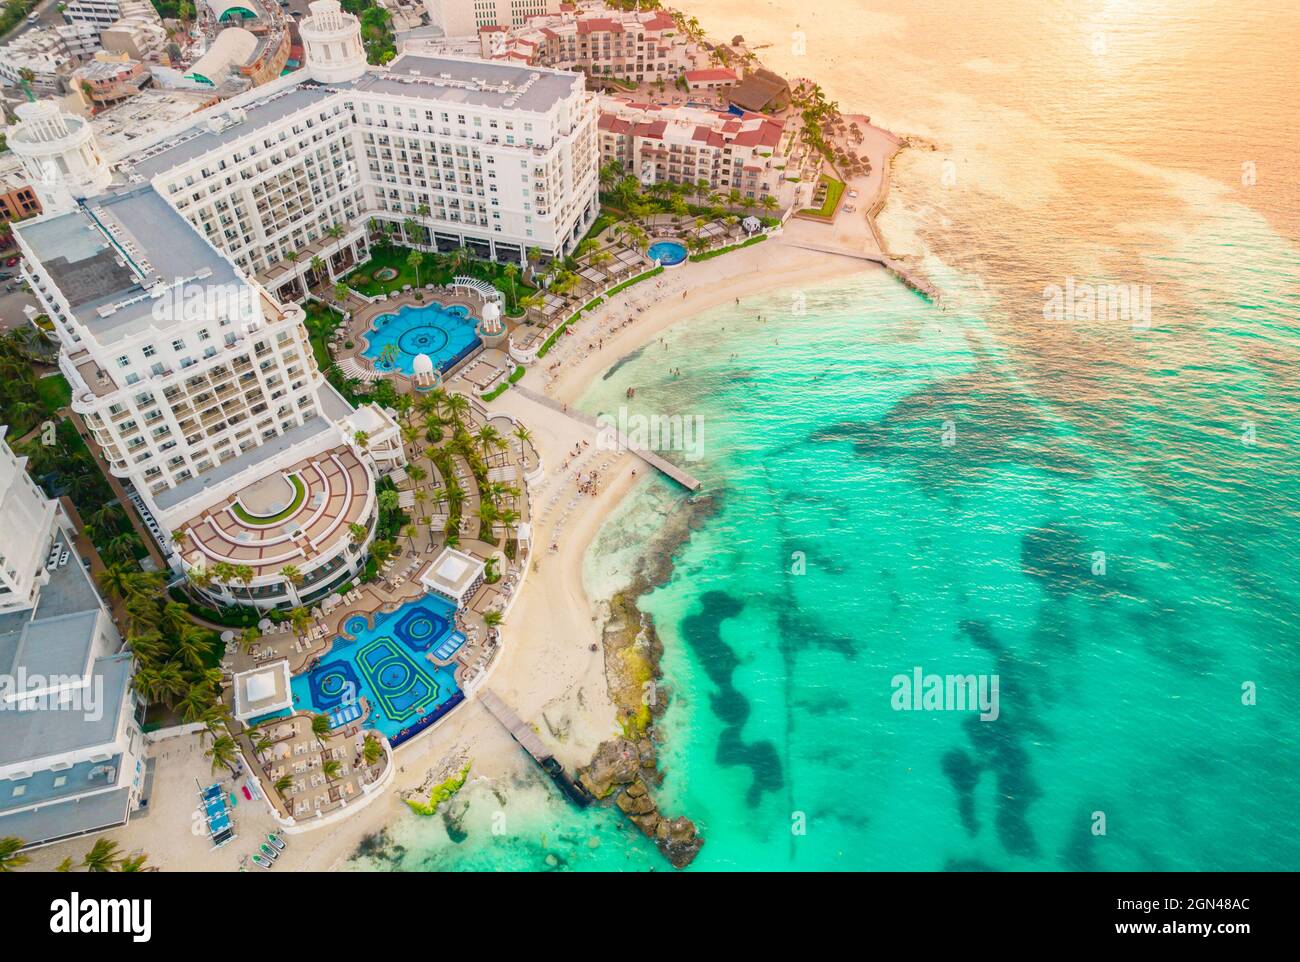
(660, 464)
(529, 742)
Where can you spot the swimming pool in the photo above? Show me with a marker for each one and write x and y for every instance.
(387, 666)
(667, 253)
(446, 334)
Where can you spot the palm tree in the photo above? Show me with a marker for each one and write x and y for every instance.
(371, 750)
(133, 863)
(160, 683)
(115, 581)
(361, 439)
(317, 265)
(299, 617)
(244, 574)
(487, 516)
(283, 784)
(223, 751)
(11, 856)
(331, 768)
(509, 517)
(457, 406)
(147, 645)
(511, 271)
(357, 532)
(175, 618)
(102, 857)
(247, 637)
(320, 727)
(195, 703)
(410, 531)
(123, 547)
(492, 618)
(611, 172)
(341, 292)
(413, 261)
(291, 574)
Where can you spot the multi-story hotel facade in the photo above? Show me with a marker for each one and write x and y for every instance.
(687, 145)
(463, 18)
(629, 45)
(168, 274)
(72, 751)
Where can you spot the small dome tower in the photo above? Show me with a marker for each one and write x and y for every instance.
(60, 154)
(331, 41)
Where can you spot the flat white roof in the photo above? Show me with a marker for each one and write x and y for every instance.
(262, 691)
(452, 574)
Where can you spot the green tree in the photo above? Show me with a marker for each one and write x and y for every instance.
(11, 856)
(102, 857)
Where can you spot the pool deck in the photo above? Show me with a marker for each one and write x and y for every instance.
(398, 580)
(357, 327)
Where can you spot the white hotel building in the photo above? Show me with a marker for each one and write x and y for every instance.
(167, 275)
(464, 18)
(72, 753)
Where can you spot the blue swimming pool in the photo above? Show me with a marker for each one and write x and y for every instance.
(667, 253)
(387, 665)
(446, 334)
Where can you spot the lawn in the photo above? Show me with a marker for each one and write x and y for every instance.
(299, 493)
(834, 191)
(54, 392)
(436, 269)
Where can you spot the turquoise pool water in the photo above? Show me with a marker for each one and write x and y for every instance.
(387, 666)
(446, 334)
(668, 253)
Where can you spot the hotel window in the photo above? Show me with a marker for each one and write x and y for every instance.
(123, 361)
(148, 350)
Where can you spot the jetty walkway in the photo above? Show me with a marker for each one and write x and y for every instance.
(529, 742)
(660, 464)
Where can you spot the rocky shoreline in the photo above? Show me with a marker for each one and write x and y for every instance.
(624, 771)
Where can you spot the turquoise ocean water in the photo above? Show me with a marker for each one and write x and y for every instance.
(1168, 451)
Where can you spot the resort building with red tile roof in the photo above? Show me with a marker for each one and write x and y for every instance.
(686, 145)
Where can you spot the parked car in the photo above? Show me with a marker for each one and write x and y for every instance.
(12, 262)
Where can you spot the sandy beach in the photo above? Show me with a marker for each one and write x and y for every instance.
(551, 669)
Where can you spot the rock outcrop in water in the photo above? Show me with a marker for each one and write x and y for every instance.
(619, 771)
(624, 770)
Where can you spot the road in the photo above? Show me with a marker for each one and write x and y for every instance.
(11, 307)
(48, 10)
